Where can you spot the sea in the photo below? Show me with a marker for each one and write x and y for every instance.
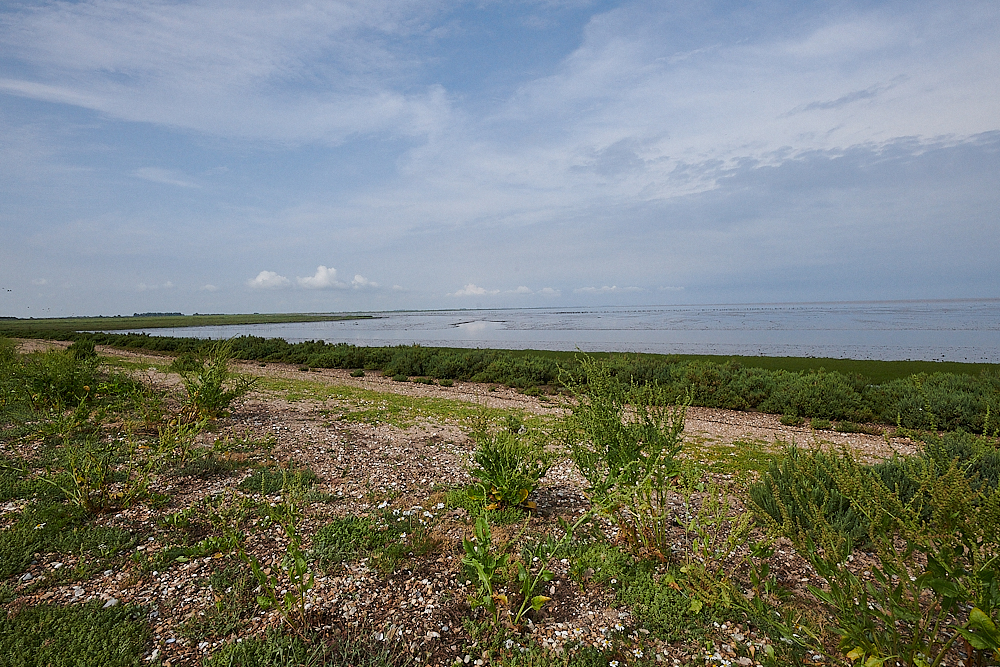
(965, 330)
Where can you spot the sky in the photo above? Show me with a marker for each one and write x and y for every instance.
(228, 156)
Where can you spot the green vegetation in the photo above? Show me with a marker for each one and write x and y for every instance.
(932, 523)
(911, 394)
(508, 463)
(676, 539)
(371, 407)
(78, 636)
(276, 650)
(211, 387)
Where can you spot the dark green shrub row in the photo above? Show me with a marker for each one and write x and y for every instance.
(947, 401)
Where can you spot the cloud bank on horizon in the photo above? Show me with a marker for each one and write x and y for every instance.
(190, 156)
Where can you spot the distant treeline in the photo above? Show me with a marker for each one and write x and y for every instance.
(158, 315)
(924, 400)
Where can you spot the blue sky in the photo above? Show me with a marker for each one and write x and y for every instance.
(239, 156)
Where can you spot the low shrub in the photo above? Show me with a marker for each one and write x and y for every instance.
(48, 635)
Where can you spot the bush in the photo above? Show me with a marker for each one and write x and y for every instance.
(56, 379)
(626, 433)
(82, 350)
(800, 492)
(212, 387)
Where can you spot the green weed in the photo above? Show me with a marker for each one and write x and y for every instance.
(508, 463)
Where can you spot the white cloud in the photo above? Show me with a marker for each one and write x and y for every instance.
(209, 288)
(473, 290)
(613, 289)
(269, 280)
(39, 281)
(548, 291)
(360, 282)
(521, 290)
(164, 176)
(324, 278)
(143, 287)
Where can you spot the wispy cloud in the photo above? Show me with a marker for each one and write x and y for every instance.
(165, 176)
(869, 93)
(143, 287)
(285, 72)
(613, 289)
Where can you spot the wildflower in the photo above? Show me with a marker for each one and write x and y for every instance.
(40, 526)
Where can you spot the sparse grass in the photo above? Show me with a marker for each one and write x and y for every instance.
(276, 650)
(741, 458)
(233, 592)
(372, 407)
(268, 481)
(47, 526)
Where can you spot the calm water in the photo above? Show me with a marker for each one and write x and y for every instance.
(931, 330)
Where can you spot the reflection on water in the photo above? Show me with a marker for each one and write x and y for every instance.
(933, 330)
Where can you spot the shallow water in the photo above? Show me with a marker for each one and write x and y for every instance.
(965, 330)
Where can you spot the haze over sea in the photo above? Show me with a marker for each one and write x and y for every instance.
(940, 330)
